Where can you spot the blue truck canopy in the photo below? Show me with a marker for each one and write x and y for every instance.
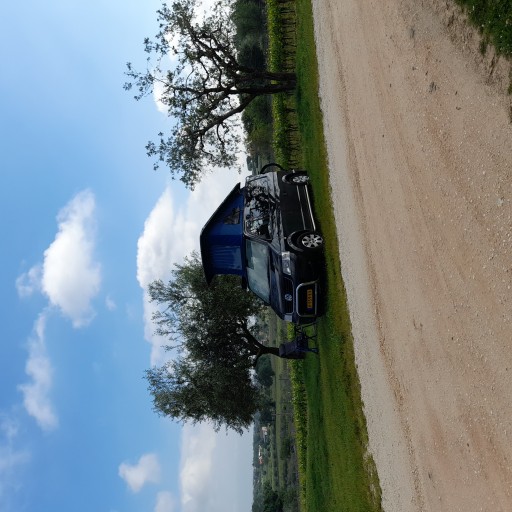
(221, 239)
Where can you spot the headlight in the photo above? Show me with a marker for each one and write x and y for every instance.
(286, 263)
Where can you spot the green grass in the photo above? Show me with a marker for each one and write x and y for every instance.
(494, 20)
(336, 471)
(339, 473)
(281, 420)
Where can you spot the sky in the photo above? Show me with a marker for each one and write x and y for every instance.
(86, 224)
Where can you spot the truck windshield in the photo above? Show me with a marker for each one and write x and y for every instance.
(257, 269)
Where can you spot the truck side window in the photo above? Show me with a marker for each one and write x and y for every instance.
(257, 208)
(233, 217)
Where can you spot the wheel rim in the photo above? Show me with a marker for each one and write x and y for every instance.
(312, 241)
(301, 178)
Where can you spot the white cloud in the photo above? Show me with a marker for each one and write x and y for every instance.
(198, 444)
(216, 472)
(11, 459)
(166, 238)
(39, 369)
(9, 428)
(165, 502)
(29, 282)
(147, 470)
(165, 232)
(71, 277)
(171, 232)
(158, 91)
(157, 355)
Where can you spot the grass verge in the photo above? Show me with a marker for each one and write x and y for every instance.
(493, 18)
(336, 471)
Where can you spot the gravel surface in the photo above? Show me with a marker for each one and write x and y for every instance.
(419, 136)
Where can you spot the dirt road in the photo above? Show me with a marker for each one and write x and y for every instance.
(419, 136)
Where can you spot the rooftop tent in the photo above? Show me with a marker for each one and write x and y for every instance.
(221, 238)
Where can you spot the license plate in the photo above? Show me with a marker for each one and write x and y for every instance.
(309, 298)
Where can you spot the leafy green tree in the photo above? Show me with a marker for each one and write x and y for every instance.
(251, 55)
(209, 332)
(267, 412)
(264, 372)
(204, 89)
(257, 121)
(249, 19)
(272, 502)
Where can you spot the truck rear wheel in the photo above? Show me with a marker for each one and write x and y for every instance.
(297, 178)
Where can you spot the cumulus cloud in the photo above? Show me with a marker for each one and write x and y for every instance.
(165, 237)
(165, 502)
(198, 444)
(70, 276)
(147, 470)
(40, 372)
(171, 232)
(214, 472)
(165, 232)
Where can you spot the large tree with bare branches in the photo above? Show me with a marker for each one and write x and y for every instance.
(204, 82)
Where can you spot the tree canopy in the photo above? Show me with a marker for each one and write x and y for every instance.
(210, 376)
(264, 372)
(205, 81)
(267, 500)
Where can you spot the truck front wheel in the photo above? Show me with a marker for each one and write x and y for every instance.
(306, 241)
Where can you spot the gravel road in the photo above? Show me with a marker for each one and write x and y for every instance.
(419, 136)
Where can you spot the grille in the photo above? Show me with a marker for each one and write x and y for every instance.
(288, 291)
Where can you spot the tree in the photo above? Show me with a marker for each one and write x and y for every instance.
(267, 500)
(264, 372)
(209, 328)
(268, 412)
(206, 89)
(250, 23)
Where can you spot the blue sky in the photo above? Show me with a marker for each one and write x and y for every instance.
(86, 225)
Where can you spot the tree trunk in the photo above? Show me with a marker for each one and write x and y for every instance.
(257, 347)
(278, 76)
(274, 351)
(263, 350)
(259, 90)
